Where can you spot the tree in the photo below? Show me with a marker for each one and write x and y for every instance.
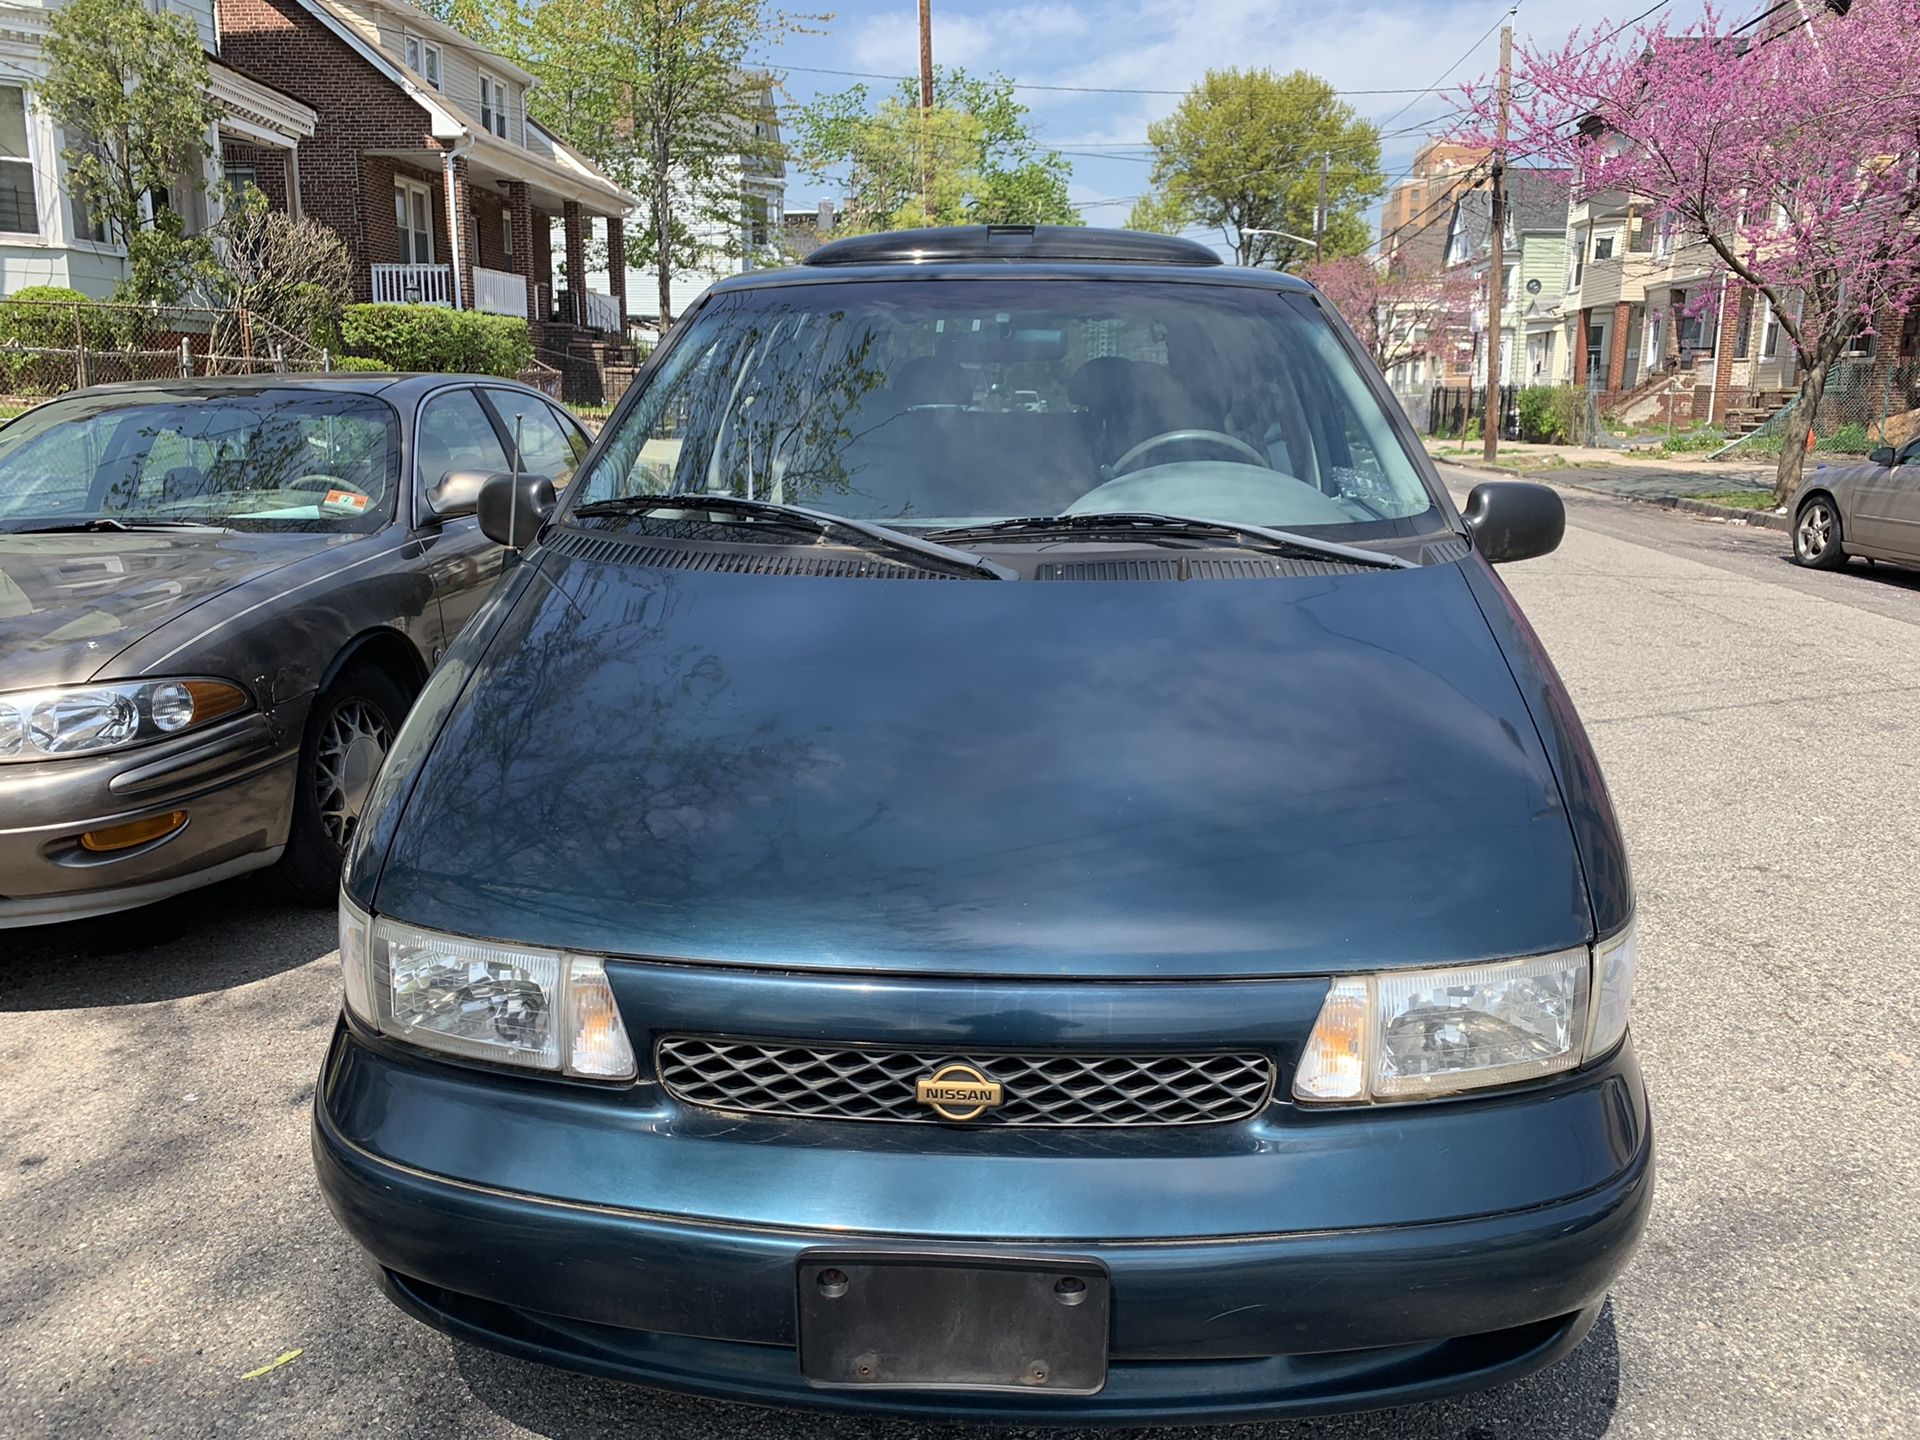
(1786, 150)
(295, 273)
(129, 87)
(1242, 153)
(658, 94)
(1398, 315)
(985, 165)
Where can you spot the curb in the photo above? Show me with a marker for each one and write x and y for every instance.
(1757, 519)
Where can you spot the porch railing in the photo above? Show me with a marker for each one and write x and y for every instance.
(415, 284)
(603, 312)
(499, 292)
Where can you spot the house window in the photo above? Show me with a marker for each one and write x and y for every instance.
(757, 220)
(423, 59)
(1603, 246)
(18, 214)
(413, 219)
(496, 99)
(1910, 335)
(1860, 345)
(506, 234)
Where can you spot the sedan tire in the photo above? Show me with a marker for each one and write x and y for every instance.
(348, 734)
(1816, 535)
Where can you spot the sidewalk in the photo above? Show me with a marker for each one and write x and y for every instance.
(1672, 481)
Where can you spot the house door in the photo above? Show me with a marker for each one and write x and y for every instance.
(413, 220)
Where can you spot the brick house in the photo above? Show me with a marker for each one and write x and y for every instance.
(426, 163)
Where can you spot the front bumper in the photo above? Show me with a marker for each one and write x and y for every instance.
(1214, 1317)
(234, 780)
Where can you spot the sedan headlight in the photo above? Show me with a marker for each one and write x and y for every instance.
(509, 1004)
(87, 719)
(1415, 1034)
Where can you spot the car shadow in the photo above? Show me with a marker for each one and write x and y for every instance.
(211, 939)
(1574, 1400)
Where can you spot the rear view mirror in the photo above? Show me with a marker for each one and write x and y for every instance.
(1514, 520)
(1881, 456)
(514, 507)
(457, 494)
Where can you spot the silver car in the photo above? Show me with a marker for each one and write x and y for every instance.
(1871, 510)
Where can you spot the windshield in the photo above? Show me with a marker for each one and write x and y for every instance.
(942, 403)
(271, 459)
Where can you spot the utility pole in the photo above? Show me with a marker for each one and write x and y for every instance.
(1490, 417)
(1320, 215)
(926, 109)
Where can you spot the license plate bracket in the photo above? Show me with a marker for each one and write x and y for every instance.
(953, 1322)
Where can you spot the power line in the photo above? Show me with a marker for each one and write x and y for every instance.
(1060, 89)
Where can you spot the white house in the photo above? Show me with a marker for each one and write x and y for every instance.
(46, 235)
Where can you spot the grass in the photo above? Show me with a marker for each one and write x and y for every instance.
(1738, 499)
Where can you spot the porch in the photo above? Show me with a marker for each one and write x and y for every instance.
(476, 231)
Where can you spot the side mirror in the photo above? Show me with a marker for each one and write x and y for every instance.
(1881, 456)
(512, 509)
(1514, 519)
(457, 494)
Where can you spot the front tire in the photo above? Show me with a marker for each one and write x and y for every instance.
(1816, 535)
(348, 734)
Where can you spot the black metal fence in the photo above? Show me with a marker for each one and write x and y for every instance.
(1454, 410)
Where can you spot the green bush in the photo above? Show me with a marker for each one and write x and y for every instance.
(364, 363)
(433, 338)
(1550, 414)
(1848, 439)
(1700, 438)
(43, 317)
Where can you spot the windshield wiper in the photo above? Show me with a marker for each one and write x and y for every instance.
(798, 517)
(102, 524)
(1149, 523)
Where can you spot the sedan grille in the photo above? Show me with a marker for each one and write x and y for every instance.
(813, 1082)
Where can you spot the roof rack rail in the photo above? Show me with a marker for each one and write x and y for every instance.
(1012, 242)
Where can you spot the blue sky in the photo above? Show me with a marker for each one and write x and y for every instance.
(1169, 44)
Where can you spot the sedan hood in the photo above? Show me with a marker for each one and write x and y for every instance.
(1141, 779)
(70, 603)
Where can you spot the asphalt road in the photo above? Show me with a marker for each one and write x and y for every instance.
(160, 1236)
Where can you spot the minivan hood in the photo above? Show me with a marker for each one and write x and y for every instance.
(1139, 779)
(70, 603)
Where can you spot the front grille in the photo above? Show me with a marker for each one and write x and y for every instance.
(811, 1082)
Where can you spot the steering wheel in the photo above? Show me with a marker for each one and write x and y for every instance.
(1177, 437)
(322, 482)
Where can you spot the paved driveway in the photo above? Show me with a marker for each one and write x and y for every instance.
(160, 1237)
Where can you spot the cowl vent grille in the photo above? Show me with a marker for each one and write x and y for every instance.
(732, 560)
(1192, 568)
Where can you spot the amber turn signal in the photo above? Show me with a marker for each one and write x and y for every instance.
(134, 832)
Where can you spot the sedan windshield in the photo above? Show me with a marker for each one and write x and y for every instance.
(270, 459)
(940, 404)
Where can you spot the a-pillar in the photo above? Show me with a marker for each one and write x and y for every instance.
(575, 226)
(617, 267)
(466, 240)
(1617, 345)
(1580, 347)
(520, 217)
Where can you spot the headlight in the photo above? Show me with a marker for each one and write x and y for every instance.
(1413, 1034)
(87, 719)
(509, 1004)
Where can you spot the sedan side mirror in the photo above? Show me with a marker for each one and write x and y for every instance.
(514, 507)
(457, 494)
(1883, 455)
(1514, 519)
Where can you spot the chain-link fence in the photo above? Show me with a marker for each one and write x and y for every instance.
(48, 347)
(1865, 405)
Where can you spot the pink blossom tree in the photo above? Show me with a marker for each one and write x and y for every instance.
(1788, 143)
(1399, 316)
